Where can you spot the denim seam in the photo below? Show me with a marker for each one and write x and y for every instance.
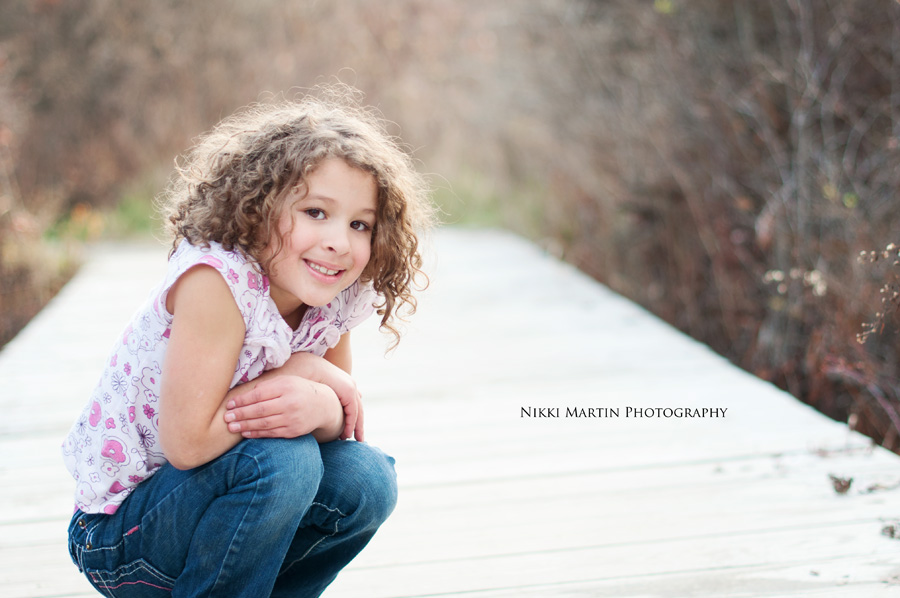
(141, 564)
(78, 556)
(247, 510)
(323, 538)
(89, 538)
(102, 589)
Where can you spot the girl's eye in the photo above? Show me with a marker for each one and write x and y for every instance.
(359, 225)
(315, 213)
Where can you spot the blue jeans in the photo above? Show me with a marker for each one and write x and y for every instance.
(271, 517)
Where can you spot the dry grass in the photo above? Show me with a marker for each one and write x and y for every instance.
(31, 271)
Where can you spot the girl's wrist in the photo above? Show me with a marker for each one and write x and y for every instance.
(331, 420)
(305, 365)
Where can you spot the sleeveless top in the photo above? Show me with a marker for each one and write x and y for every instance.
(113, 445)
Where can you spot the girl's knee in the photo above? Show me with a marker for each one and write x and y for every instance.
(291, 466)
(381, 483)
(366, 477)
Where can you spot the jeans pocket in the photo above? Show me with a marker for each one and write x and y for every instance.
(80, 526)
(137, 579)
(113, 562)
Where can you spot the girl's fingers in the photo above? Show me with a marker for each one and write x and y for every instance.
(256, 416)
(349, 424)
(253, 411)
(358, 430)
(273, 433)
(261, 424)
(353, 426)
(261, 392)
(351, 415)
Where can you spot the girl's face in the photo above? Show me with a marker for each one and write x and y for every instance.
(326, 236)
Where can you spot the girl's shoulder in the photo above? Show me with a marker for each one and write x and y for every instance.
(237, 269)
(247, 284)
(214, 255)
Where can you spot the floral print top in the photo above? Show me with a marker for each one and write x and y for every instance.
(114, 445)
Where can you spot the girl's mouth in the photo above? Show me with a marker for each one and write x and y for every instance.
(322, 269)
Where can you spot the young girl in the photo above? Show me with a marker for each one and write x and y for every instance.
(214, 456)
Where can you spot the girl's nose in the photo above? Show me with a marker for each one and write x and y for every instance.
(337, 240)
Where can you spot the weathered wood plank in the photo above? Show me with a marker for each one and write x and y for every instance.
(493, 503)
(816, 562)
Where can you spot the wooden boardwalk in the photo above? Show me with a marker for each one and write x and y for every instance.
(494, 503)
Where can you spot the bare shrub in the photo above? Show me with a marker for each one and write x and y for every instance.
(721, 162)
(737, 159)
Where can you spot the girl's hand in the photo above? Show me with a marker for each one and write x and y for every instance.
(348, 394)
(353, 417)
(285, 406)
(319, 369)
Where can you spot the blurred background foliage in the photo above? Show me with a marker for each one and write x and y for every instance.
(722, 162)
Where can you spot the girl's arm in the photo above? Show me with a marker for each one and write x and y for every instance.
(205, 340)
(342, 357)
(340, 354)
(253, 408)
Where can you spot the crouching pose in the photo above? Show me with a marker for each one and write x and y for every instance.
(216, 455)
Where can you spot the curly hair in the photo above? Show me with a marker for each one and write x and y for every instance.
(232, 185)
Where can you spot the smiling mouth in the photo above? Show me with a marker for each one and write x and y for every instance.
(323, 269)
